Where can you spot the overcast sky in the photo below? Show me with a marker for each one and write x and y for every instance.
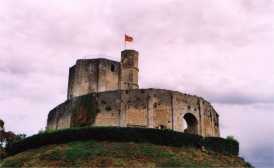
(220, 50)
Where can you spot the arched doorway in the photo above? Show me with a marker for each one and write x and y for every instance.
(191, 123)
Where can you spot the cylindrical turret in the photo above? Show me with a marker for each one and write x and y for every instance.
(129, 70)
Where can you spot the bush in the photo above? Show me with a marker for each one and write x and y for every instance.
(217, 144)
(118, 134)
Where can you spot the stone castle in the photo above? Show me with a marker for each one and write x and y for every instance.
(103, 92)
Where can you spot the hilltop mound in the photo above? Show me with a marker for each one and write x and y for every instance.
(120, 154)
(123, 147)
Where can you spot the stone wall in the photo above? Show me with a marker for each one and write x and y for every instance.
(150, 108)
(103, 92)
(93, 75)
(129, 70)
(108, 108)
(99, 75)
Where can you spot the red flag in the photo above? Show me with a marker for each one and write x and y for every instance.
(128, 38)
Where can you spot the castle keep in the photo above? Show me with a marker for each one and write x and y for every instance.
(99, 75)
(103, 92)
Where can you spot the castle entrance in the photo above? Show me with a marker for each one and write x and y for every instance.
(190, 123)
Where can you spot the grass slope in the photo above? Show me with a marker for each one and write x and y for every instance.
(120, 154)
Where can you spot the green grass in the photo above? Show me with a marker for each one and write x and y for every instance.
(153, 151)
(118, 154)
(54, 154)
(82, 150)
(172, 162)
(13, 163)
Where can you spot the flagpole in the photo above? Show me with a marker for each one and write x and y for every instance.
(125, 42)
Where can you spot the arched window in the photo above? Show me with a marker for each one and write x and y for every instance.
(191, 123)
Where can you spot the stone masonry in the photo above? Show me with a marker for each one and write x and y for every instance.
(102, 92)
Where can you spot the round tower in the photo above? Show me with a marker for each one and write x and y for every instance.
(129, 70)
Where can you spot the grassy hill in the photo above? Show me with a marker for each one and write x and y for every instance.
(120, 154)
(122, 147)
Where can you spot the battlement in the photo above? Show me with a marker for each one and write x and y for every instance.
(99, 75)
(95, 60)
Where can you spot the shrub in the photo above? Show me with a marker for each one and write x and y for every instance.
(217, 144)
(119, 134)
(49, 130)
(230, 137)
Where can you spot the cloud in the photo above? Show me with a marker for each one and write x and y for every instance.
(252, 125)
(220, 50)
(265, 159)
